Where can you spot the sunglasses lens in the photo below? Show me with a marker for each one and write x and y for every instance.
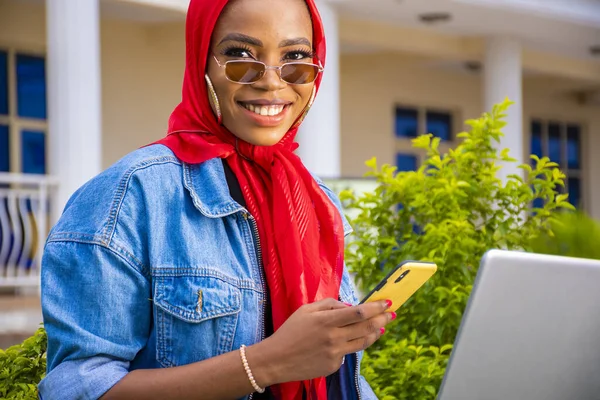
(244, 71)
(298, 74)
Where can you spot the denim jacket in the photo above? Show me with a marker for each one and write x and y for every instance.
(154, 265)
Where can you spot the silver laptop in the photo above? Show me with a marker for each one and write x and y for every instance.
(531, 331)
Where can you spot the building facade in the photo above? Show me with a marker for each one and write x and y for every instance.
(84, 82)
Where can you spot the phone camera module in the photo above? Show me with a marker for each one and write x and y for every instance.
(402, 275)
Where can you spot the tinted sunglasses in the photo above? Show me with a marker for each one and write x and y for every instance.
(251, 71)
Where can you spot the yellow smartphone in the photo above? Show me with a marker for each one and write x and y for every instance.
(402, 283)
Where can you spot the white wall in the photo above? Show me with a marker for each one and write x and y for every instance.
(373, 84)
(142, 73)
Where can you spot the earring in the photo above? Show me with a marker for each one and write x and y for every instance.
(306, 109)
(213, 99)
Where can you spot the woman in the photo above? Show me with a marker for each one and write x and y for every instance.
(214, 239)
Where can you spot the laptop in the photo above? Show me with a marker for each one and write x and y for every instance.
(531, 331)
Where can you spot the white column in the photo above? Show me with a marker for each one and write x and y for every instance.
(74, 94)
(503, 78)
(319, 135)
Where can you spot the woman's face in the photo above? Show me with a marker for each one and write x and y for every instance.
(274, 32)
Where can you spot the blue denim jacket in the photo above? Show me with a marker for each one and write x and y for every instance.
(154, 265)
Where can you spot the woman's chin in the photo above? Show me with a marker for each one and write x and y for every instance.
(261, 136)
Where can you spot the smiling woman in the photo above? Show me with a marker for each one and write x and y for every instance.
(262, 112)
(220, 225)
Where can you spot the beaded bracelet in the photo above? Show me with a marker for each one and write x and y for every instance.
(249, 371)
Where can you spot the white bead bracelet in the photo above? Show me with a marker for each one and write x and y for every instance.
(249, 371)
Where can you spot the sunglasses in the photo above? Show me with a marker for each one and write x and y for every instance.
(250, 71)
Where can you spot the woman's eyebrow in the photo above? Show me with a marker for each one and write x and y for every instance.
(295, 42)
(240, 37)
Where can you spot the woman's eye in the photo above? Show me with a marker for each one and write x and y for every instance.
(298, 55)
(238, 53)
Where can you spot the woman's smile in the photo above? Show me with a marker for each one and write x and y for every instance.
(267, 113)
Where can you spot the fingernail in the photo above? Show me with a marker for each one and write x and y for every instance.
(382, 330)
(348, 304)
(394, 315)
(389, 303)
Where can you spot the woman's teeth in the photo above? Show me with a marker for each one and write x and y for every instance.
(264, 110)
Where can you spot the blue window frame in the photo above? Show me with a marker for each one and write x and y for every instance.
(536, 139)
(562, 143)
(574, 190)
(406, 162)
(573, 147)
(439, 124)
(4, 149)
(3, 83)
(17, 130)
(554, 143)
(33, 152)
(31, 86)
(407, 122)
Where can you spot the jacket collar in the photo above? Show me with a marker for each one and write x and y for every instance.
(207, 185)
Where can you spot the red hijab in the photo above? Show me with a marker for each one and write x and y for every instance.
(300, 230)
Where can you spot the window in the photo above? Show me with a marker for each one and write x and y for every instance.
(411, 122)
(561, 142)
(4, 149)
(33, 145)
(406, 162)
(23, 112)
(31, 87)
(439, 124)
(407, 122)
(3, 83)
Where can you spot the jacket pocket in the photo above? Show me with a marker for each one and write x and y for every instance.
(196, 317)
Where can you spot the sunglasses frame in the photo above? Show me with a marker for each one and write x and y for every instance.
(268, 67)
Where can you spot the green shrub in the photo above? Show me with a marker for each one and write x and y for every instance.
(22, 367)
(453, 209)
(571, 235)
(422, 368)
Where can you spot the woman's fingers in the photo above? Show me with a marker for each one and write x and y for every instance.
(325, 305)
(368, 327)
(362, 343)
(352, 315)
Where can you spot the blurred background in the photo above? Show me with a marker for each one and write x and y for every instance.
(84, 82)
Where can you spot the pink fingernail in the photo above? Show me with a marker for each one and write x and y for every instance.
(348, 304)
(382, 330)
(394, 315)
(389, 303)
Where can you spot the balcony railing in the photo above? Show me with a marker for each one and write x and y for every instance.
(24, 222)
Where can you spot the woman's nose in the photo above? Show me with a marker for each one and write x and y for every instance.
(270, 81)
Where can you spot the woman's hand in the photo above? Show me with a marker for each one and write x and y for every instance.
(315, 339)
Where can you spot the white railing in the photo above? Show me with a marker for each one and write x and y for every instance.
(358, 185)
(24, 222)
